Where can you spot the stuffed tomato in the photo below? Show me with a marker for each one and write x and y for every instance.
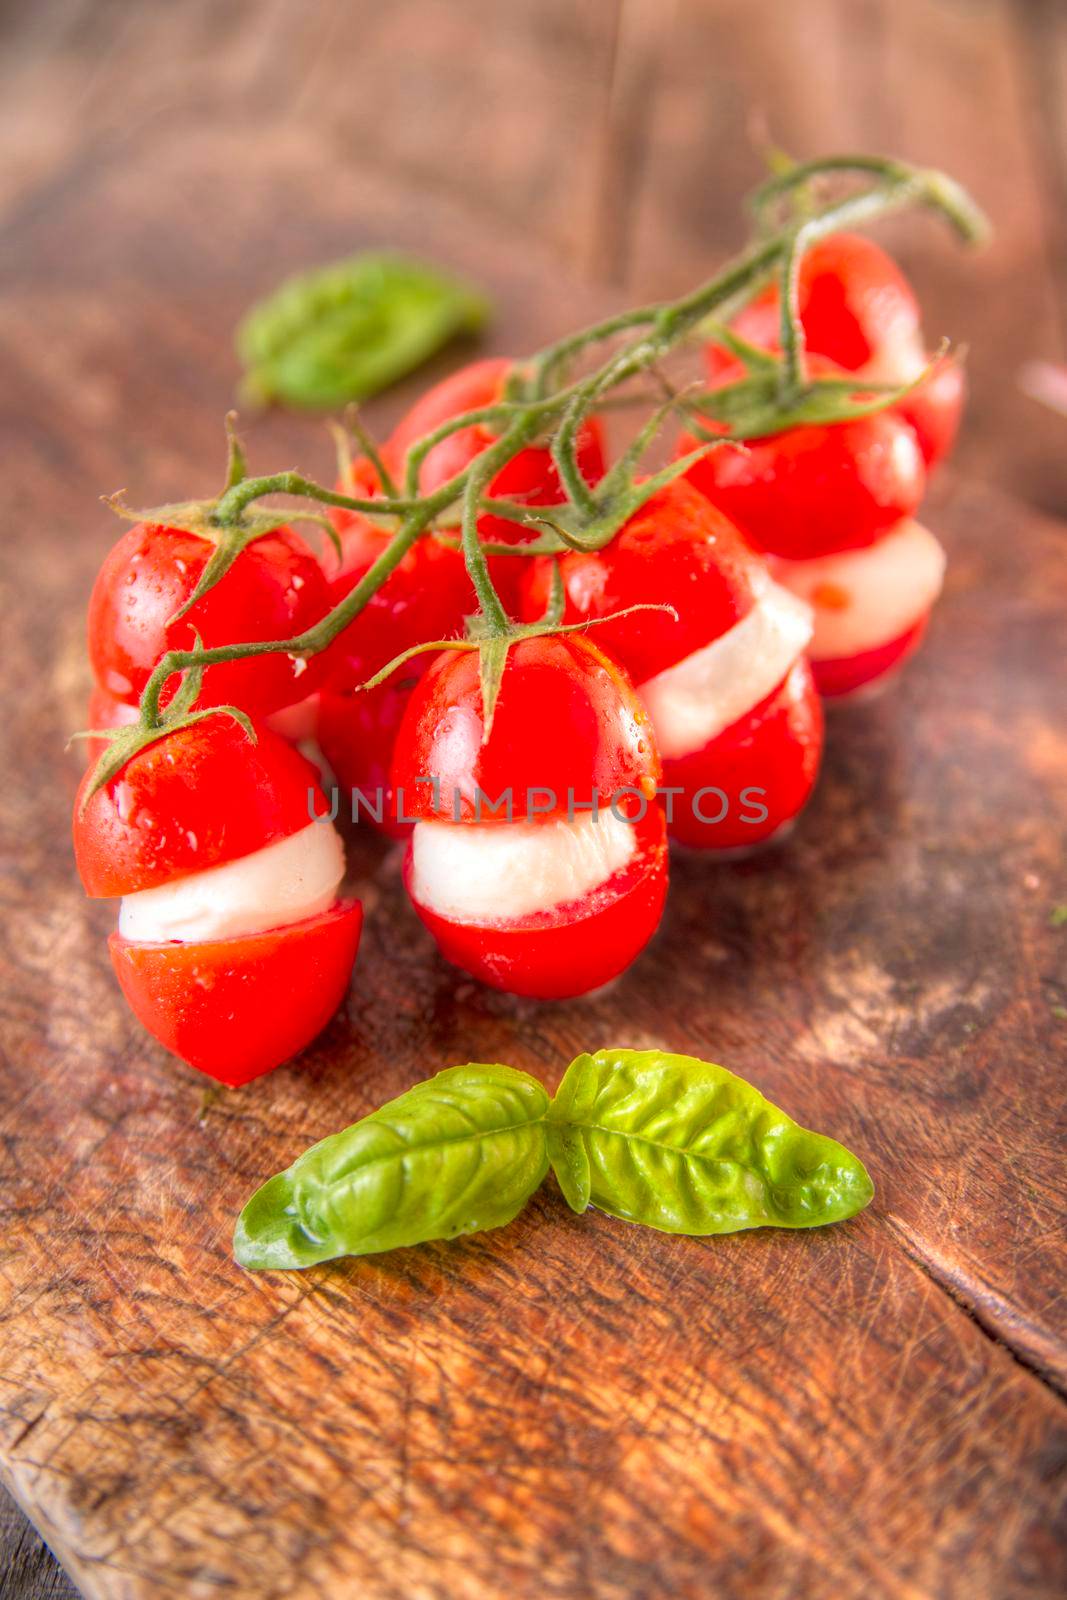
(857, 308)
(832, 508)
(538, 859)
(233, 947)
(721, 672)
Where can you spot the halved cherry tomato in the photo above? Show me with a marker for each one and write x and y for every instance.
(680, 551)
(529, 478)
(274, 589)
(203, 795)
(748, 785)
(207, 796)
(572, 948)
(568, 733)
(857, 308)
(813, 490)
(236, 1008)
(840, 679)
(566, 719)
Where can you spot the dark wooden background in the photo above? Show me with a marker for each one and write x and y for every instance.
(566, 1408)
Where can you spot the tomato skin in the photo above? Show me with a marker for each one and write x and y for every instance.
(201, 796)
(236, 1008)
(274, 590)
(775, 747)
(678, 550)
(836, 678)
(812, 491)
(529, 477)
(853, 299)
(573, 948)
(567, 718)
(357, 734)
(426, 597)
(857, 308)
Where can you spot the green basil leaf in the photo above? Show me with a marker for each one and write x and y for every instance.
(685, 1146)
(462, 1151)
(346, 331)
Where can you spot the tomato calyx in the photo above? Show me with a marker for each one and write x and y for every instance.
(756, 407)
(124, 742)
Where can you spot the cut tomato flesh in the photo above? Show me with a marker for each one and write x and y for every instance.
(236, 1008)
(767, 761)
(838, 677)
(572, 948)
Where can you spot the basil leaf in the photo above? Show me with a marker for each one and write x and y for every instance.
(687, 1147)
(346, 331)
(462, 1151)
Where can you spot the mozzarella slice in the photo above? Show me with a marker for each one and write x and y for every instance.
(899, 360)
(862, 599)
(494, 872)
(297, 723)
(693, 701)
(283, 883)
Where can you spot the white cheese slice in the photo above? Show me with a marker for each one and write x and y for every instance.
(695, 700)
(862, 599)
(492, 872)
(899, 360)
(283, 883)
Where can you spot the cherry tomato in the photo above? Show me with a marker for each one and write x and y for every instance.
(274, 589)
(426, 597)
(679, 550)
(811, 491)
(568, 733)
(566, 719)
(357, 733)
(236, 1008)
(202, 796)
(857, 308)
(529, 478)
(206, 796)
(747, 786)
(573, 948)
(840, 679)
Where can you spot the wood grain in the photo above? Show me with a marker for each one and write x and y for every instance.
(568, 1407)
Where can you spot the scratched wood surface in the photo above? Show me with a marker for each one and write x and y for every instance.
(567, 1407)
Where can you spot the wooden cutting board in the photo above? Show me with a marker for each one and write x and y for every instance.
(570, 1406)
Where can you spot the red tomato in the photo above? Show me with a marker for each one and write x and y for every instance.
(201, 796)
(274, 589)
(568, 728)
(195, 799)
(750, 782)
(678, 550)
(837, 678)
(813, 490)
(566, 719)
(357, 734)
(857, 308)
(236, 1008)
(529, 478)
(572, 948)
(426, 597)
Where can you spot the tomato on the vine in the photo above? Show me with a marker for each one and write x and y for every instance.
(720, 668)
(538, 859)
(233, 947)
(529, 478)
(275, 589)
(816, 489)
(857, 308)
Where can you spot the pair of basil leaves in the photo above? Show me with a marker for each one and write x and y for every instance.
(666, 1140)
